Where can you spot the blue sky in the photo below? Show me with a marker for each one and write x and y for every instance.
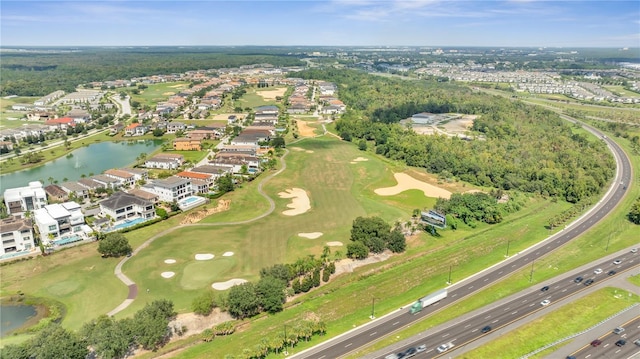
(328, 23)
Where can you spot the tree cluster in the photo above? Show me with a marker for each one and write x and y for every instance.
(634, 212)
(107, 337)
(277, 342)
(475, 207)
(373, 234)
(114, 245)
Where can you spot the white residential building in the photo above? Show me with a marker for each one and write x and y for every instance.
(16, 234)
(57, 220)
(23, 199)
(171, 189)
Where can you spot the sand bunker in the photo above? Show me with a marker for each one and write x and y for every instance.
(406, 182)
(228, 284)
(227, 254)
(168, 93)
(167, 274)
(360, 159)
(334, 244)
(204, 256)
(169, 261)
(308, 151)
(312, 235)
(299, 201)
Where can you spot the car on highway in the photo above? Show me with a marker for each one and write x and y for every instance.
(637, 342)
(634, 250)
(611, 272)
(545, 288)
(421, 348)
(588, 281)
(598, 271)
(618, 330)
(596, 342)
(617, 261)
(486, 329)
(444, 347)
(578, 279)
(391, 356)
(621, 342)
(410, 352)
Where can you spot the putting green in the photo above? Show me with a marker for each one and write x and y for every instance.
(199, 274)
(63, 288)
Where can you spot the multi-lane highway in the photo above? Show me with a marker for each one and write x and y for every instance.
(608, 348)
(521, 306)
(369, 333)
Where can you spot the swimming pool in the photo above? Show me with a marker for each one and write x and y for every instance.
(190, 202)
(66, 240)
(128, 223)
(13, 254)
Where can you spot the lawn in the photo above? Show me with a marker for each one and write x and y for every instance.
(6, 112)
(253, 99)
(159, 92)
(339, 191)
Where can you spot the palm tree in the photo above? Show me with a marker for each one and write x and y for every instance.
(50, 180)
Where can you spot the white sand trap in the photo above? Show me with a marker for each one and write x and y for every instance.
(227, 254)
(167, 274)
(299, 201)
(334, 244)
(406, 182)
(169, 261)
(360, 159)
(204, 256)
(308, 151)
(228, 284)
(312, 235)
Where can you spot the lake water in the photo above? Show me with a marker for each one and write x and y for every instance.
(14, 316)
(95, 158)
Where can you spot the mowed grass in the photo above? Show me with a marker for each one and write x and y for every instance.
(78, 277)
(569, 319)
(159, 92)
(7, 112)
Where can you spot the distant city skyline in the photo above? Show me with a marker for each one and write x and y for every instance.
(433, 23)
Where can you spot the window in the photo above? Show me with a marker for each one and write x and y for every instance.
(52, 228)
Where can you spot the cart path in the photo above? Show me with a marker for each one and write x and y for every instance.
(133, 287)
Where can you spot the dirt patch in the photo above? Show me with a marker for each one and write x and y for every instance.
(169, 93)
(305, 130)
(348, 265)
(271, 95)
(406, 182)
(197, 216)
(225, 116)
(299, 201)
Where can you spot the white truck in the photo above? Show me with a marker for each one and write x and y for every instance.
(428, 300)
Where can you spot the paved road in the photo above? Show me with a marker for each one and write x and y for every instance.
(371, 332)
(461, 332)
(608, 348)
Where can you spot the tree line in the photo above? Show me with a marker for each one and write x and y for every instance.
(511, 145)
(37, 74)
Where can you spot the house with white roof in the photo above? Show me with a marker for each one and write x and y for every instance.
(23, 199)
(57, 220)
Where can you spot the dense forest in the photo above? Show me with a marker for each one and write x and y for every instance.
(40, 73)
(513, 147)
